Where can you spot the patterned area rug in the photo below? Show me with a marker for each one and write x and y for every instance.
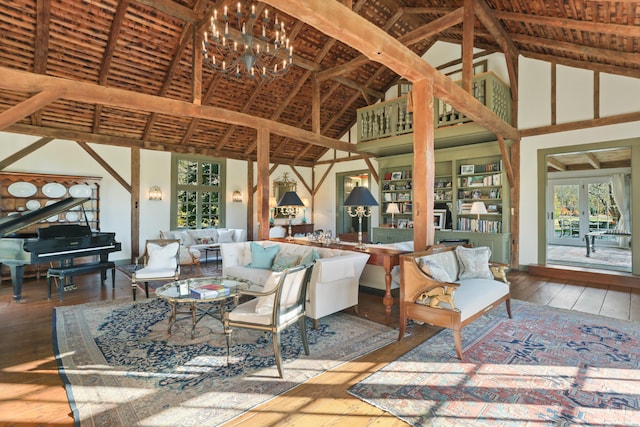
(121, 367)
(546, 366)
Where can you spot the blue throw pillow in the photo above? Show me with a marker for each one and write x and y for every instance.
(262, 257)
(311, 256)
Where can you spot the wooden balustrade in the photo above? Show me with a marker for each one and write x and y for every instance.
(391, 118)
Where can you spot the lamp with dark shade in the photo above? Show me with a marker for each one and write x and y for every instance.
(360, 199)
(289, 205)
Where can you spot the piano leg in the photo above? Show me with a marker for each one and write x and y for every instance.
(17, 274)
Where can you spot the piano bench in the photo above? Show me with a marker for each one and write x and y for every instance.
(73, 270)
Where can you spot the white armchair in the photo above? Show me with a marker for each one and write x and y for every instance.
(161, 261)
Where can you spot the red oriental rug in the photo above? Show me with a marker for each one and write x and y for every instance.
(545, 366)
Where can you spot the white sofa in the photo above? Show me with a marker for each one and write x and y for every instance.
(451, 286)
(334, 280)
(195, 240)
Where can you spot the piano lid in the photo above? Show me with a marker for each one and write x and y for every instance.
(12, 223)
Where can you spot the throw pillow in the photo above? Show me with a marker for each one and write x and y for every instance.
(434, 270)
(225, 236)
(162, 256)
(265, 303)
(309, 257)
(474, 262)
(284, 261)
(261, 256)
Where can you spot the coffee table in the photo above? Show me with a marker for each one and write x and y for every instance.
(179, 292)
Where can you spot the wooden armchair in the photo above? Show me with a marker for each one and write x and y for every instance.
(161, 261)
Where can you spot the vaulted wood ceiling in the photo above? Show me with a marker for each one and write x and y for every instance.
(109, 48)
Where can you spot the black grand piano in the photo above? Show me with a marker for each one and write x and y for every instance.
(60, 243)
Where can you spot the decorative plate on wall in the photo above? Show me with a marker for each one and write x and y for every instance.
(71, 216)
(22, 189)
(32, 205)
(80, 190)
(54, 190)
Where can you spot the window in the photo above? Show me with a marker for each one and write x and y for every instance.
(197, 198)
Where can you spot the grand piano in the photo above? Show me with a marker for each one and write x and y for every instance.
(60, 243)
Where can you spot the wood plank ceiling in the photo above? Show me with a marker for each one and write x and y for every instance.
(146, 47)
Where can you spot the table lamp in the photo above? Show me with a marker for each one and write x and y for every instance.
(393, 208)
(360, 199)
(478, 208)
(289, 205)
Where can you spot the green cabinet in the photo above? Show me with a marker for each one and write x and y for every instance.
(386, 235)
(499, 243)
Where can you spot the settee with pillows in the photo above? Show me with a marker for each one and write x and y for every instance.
(193, 241)
(334, 280)
(451, 286)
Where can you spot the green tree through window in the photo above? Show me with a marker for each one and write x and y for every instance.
(198, 186)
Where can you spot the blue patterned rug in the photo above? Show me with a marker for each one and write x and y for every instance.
(544, 367)
(121, 367)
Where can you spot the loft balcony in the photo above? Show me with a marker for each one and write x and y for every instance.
(386, 128)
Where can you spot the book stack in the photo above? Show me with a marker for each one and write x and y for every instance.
(210, 291)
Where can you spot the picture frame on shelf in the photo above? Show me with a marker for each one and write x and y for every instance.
(402, 223)
(439, 218)
(396, 175)
(466, 169)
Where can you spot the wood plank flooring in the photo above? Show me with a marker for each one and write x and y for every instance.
(32, 394)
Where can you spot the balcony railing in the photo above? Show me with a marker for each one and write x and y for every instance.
(390, 118)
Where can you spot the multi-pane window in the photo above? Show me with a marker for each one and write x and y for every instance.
(198, 188)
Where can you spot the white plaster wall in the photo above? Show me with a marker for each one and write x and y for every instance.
(618, 95)
(155, 169)
(534, 93)
(574, 94)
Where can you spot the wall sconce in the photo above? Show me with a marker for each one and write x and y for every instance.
(362, 199)
(236, 196)
(289, 205)
(155, 193)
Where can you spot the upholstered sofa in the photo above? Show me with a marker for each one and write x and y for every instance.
(194, 241)
(334, 280)
(451, 286)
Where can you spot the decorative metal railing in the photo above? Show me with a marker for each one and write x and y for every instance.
(390, 118)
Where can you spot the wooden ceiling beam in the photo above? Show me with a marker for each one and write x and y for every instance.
(592, 160)
(570, 24)
(585, 65)
(28, 106)
(41, 53)
(434, 27)
(172, 8)
(556, 164)
(118, 141)
(90, 93)
(486, 15)
(338, 22)
(102, 162)
(576, 49)
(20, 154)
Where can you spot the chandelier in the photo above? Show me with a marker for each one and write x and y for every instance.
(231, 47)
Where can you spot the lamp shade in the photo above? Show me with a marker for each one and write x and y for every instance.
(392, 208)
(478, 208)
(290, 198)
(360, 196)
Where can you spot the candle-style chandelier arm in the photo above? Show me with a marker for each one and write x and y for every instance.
(361, 211)
(248, 42)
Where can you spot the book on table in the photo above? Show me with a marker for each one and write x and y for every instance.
(210, 291)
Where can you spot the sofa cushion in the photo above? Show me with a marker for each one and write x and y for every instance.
(309, 257)
(257, 276)
(283, 261)
(434, 270)
(447, 260)
(225, 236)
(261, 256)
(474, 262)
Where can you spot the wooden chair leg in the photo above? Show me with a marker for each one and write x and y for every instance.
(276, 350)
(457, 337)
(303, 332)
(508, 304)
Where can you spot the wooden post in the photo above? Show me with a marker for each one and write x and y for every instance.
(263, 183)
(423, 164)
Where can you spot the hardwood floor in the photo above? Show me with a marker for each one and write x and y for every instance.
(31, 392)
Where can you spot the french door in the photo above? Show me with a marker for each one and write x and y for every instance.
(577, 206)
